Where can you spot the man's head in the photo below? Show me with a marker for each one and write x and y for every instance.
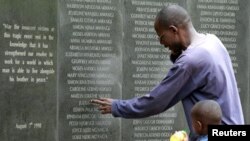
(204, 113)
(171, 25)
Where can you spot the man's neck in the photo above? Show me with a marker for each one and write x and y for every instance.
(194, 35)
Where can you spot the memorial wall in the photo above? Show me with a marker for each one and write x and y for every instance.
(57, 55)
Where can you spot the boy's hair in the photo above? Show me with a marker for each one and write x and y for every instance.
(208, 112)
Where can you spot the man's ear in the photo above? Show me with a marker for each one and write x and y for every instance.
(173, 28)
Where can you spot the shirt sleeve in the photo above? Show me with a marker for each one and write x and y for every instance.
(173, 88)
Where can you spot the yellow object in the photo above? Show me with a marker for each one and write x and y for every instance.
(179, 136)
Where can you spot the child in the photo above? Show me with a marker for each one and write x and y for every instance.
(204, 113)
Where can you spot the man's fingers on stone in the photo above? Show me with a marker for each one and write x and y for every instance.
(105, 109)
(97, 101)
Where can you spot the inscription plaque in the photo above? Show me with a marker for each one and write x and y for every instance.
(90, 40)
(28, 69)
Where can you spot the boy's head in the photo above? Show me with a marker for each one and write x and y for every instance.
(204, 113)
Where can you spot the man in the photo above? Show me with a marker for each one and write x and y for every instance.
(202, 70)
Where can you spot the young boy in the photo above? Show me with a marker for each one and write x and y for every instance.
(204, 113)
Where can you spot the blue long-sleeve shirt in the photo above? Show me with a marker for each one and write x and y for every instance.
(203, 71)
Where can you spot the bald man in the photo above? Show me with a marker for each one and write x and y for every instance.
(201, 70)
